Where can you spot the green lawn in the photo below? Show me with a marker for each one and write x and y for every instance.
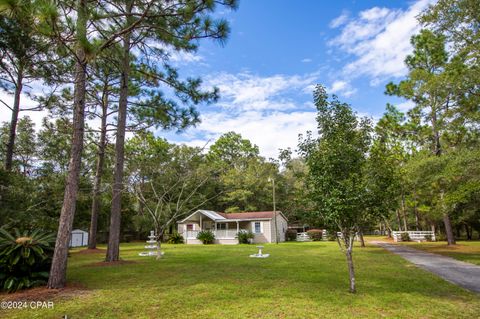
(299, 280)
(468, 251)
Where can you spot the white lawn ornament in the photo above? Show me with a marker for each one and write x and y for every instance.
(152, 246)
(259, 254)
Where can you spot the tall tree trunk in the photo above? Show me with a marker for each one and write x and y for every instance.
(436, 133)
(404, 212)
(415, 211)
(58, 270)
(13, 123)
(469, 232)
(448, 229)
(398, 220)
(438, 152)
(458, 231)
(92, 238)
(113, 250)
(447, 223)
(360, 236)
(388, 228)
(351, 270)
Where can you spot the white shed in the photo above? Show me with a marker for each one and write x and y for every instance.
(78, 238)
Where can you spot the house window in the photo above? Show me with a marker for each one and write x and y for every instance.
(189, 227)
(258, 228)
(221, 226)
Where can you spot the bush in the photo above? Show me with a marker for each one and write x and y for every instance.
(428, 237)
(331, 235)
(291, 235)
(25, 259)
(315, 234)
(405, 237)
(244, 236)
(206, 236)
(176, 238)
(442, 237)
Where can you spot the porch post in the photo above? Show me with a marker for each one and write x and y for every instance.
(201, 228)
(238, 229)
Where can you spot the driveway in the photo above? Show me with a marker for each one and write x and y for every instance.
(463, 274)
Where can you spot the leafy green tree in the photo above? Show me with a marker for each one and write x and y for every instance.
(243, 174)
(336, 162)
(166, 179)
(25, 149)
(427, 85)
(383, 179)
(24, 58)
(291, 184)
(178, 25)
(458, 21)
(232, 150)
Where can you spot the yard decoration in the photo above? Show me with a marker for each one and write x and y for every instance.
(259, 254)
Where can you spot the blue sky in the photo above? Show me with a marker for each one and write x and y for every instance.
(278, 50)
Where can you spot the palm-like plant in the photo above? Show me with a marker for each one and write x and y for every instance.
(25, 258)
(206, 236)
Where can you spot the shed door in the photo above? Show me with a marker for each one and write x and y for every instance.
(76, 240)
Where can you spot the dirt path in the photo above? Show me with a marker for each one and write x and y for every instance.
(463, 274)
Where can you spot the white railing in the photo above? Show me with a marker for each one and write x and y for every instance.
(225, 233)
(192, 234)
(414, 235)
(219, 234)
(303, 237)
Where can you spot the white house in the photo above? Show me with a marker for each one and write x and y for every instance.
(226, 226)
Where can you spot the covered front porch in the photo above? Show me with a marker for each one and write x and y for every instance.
(225, 230)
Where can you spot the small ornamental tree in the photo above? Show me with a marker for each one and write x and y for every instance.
(336, 161)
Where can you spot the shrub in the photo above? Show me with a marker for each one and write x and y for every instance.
(25, 259)
(244, 236)
(315, 234)
(206, 236)
(331, 235)
(442, 237)
(428, 237)
(291, 235)
(176, 238)
(405, 237)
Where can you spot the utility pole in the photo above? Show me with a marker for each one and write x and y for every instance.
(275, 212)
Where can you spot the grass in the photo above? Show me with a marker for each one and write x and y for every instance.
(468, 251)
(299, 280)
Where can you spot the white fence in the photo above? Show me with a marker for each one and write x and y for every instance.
(303, 237)
(414, 235)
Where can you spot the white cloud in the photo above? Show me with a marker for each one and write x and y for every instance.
(184, 57)
(307, 60)
(25, 102)
(341, 87)
(269, 111)
(338, 86)
(246, 92)
(340, 20)
(379, 40)
(405, 106)
(269, 131)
